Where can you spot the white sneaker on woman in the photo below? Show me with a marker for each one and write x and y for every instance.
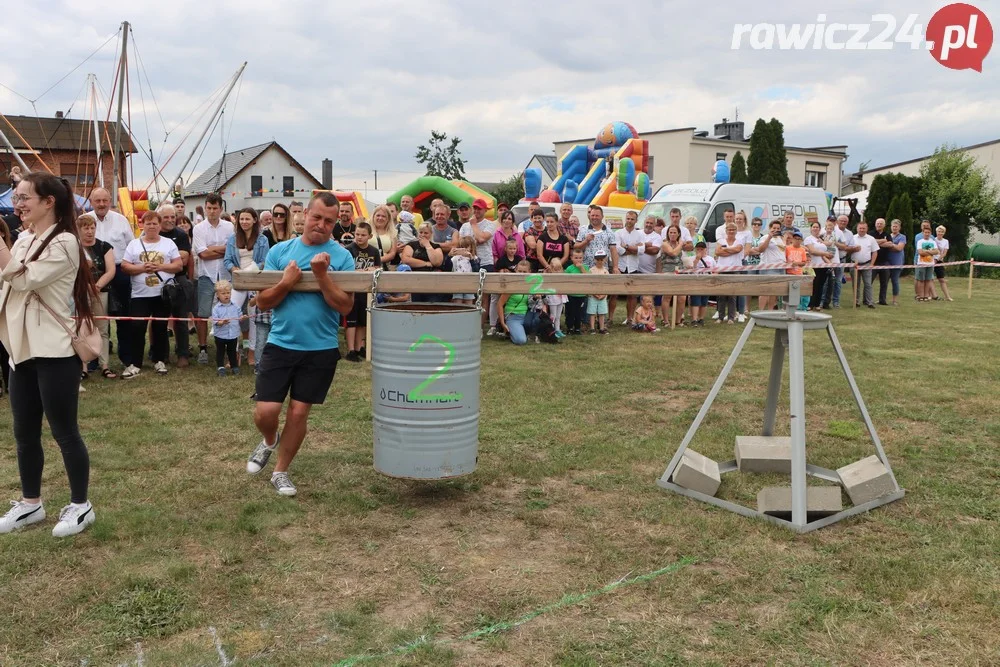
(130, 372)
(21, 514)
(74, 519)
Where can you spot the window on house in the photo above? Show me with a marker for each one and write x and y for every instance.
(78, 175)
(815, 179)
(288, 185)
(256, 186)
(720, 156)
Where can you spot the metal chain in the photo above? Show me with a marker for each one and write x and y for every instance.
(479, 292)
(375, 277)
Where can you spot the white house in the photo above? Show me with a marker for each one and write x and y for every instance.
(257, 177)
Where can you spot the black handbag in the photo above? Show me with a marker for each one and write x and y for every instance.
(178, 293)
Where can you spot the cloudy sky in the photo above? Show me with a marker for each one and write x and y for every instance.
(364, 83)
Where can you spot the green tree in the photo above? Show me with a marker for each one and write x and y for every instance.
(959, 194)
(510, 191)
(768, 164)
(758, 160)
(738, 169)
(442, 157)
(779, 160)
(885, 187)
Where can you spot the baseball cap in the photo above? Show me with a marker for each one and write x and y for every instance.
(700, 244)
(480, 203)
(464, 204)
(600, 253)
(404, 267)
(797, 232)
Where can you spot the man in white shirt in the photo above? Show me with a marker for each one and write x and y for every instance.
(209, 245)
(114, 228)
(865, 254)
(651, 242)
(844, 240)
(630, 248)
(686, 239)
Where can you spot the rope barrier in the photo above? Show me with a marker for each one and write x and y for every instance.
(833, 265)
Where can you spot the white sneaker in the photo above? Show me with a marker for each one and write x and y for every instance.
(260, 456)
(21, 514)
(74, 519)
(492, 331)
(282, 484)
(130, 372)
(82, 389)
(160, 367)
(716, 315)
(741, 318)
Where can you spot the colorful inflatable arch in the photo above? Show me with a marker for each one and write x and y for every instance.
(426, 188)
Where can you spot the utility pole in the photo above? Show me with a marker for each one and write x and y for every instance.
(376, 179)
(122, 65)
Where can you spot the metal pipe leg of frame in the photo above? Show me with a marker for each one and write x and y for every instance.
(797, 404)
(860, 403)
(774, 383)
(721, 380)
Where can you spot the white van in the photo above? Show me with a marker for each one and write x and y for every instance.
(614, 218)
(709, 201)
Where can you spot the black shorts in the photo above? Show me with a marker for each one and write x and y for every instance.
(307, 374)
(939, 272)
(358, 317)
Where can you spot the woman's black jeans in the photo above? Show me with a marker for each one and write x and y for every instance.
(49, 387)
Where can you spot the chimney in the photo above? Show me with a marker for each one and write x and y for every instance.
(733, 130)
(59, 114)
(327, 178)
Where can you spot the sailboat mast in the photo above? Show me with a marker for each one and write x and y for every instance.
(123, 63)
(14, 153)
(222, 102)
(92, 79)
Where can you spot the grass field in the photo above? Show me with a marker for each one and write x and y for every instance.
(192, 562)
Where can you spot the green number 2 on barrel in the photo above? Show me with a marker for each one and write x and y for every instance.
(417, 393)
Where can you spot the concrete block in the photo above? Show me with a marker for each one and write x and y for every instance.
(866, 480)
(698, 473)
(821, 501)
(759, 453)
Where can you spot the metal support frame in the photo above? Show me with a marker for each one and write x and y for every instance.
(789, 327)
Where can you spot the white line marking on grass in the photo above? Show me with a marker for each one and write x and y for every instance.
(226, 662)
(140, 659)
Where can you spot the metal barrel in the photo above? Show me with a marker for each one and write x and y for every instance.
(425, 389)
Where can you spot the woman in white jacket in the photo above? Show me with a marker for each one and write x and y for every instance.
(48, 265)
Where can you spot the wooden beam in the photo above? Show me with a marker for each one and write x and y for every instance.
(539, 283)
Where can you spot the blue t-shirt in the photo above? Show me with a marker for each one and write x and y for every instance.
(303, 321)
(896, 256)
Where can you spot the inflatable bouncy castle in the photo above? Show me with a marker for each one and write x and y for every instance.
(612, 172)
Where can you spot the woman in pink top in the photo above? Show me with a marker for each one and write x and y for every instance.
(507, 231)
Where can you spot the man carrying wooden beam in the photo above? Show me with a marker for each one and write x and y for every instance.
(302, 349)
